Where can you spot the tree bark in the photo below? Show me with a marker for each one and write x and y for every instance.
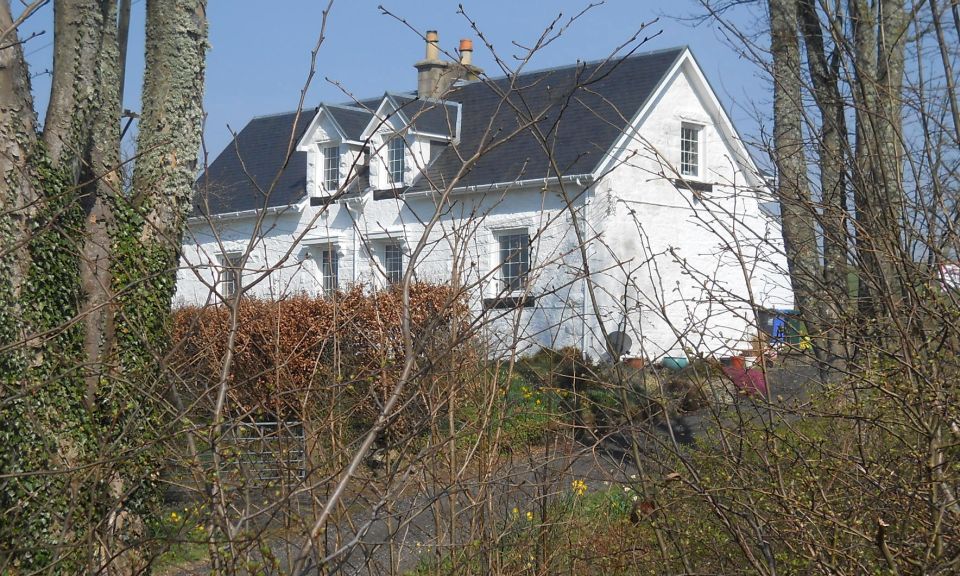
(172, 119)
(101, 185)
(78, 32)
(797, 210)
(18, 196)
(831, 148)
(879, 40)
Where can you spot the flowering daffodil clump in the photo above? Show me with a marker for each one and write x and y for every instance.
(579, 487)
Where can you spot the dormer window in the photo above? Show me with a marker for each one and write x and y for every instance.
(331, 168)
(395, 163)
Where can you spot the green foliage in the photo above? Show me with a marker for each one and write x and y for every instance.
(58, 467)
(46, 424)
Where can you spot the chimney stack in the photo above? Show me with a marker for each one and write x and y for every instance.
(435, 76)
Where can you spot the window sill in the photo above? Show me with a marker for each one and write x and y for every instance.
(689, 183)
(388, 193)
(323, 200)
(505, 302)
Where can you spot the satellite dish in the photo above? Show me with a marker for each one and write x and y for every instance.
(620, 343)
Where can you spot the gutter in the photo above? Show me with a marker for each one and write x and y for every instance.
(293, 208)
(578, 179)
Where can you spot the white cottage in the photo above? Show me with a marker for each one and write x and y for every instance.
(572, 204)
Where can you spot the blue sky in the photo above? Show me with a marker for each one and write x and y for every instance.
(259, 54)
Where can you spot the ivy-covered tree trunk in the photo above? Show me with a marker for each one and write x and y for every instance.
(87, 271)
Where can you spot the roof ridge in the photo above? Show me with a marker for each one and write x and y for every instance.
(611, 58)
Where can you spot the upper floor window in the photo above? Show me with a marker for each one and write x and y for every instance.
(230, 273)
(395, 167)
(393, 263)
(514, 260)
(331, 168)
(690, 150)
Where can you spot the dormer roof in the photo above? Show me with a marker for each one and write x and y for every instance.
(346, 123)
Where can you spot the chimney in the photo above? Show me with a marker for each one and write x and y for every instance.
(431, 69)
(467, 70)
(435, 76)
(466, 52)
(433, 46)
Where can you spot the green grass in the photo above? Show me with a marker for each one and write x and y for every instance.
(586, 529)
(180, 537)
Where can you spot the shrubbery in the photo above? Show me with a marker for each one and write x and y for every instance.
(292, 356)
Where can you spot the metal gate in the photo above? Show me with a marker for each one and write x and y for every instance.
(270, 452)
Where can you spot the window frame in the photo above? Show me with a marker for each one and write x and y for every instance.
(328, 153)
(509, 256)
(328, 265)
(396, 161)
(230, 273)
(691, 167)
(393, 277)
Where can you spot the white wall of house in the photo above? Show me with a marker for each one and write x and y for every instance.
(673, 270)
(681, 268)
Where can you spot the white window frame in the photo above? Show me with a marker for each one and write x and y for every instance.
(329, 275)
(330, 172)
(691, 167)
(396, 161)
(230, 274)
(507, 282)
(393, 277)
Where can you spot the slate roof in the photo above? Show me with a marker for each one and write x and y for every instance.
(352, 120)
(428, 116)
(240, 177)
(579, 111)
(576, 111)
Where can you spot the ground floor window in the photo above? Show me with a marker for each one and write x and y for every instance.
(329, 270)
(393, 263)
(230, 274)
(514, 260)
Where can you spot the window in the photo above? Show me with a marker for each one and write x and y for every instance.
(230, 273)
(329, 262)
(331, 168)
(395, 160)
(514, 260)
(690, 150)
(393, 263)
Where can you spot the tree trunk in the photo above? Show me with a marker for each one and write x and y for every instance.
(101, 186)
(797, 210)
(831, 147)
(77, 258)
(879, 39)
(18, 196)
(169, 141)
(79, 27)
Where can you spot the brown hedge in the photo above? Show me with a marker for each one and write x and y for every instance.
(291, 354)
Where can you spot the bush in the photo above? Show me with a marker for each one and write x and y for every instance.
(291, 357)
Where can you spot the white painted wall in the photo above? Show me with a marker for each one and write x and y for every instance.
(681, 270)
(673, 271)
